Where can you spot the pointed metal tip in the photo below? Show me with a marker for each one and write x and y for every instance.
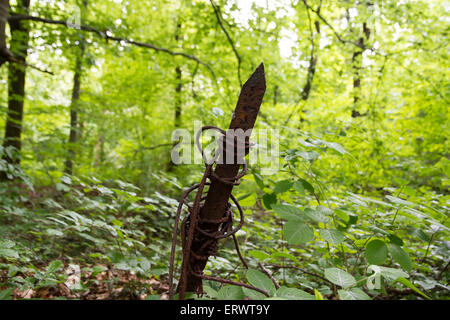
(260, 68)
(258, 76)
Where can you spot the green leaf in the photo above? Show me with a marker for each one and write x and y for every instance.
(412, 287)
(399, 201)
(6, 244)
(210, 291)
(269, 199)
(9, 253)
(302, 184)
(252, 294)
(298, 186)
(340, 277)
(288, 212)
(260, 255)
(6, 294)
(259, 180)
(376, 252)
(230, 293)
(54, 266)
(353, 294)
(395, 240)
(297, 232)
(282, 186)
(342, 214)
(388, 273)
(400, 256)
(307, 155)
(318, 295)
(332, 236)
(285, 255)
(260, 280)
(336, 147)
(293, 294)
(420, 234)
(316, 216)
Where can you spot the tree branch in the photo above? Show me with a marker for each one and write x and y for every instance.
(342, 40)
(107, 36)
(219, 20)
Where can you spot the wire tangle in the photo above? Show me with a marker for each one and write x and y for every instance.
(195, 228)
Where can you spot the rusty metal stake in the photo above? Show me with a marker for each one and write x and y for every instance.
(213, 212)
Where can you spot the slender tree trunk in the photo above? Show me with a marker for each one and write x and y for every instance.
(74, 128)
(16, 87)
(357, 67)
(74, 105)
(313, 58)
(5, 54)
(178, 102)
(179, 83)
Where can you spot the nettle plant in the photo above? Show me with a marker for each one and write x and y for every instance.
(349, 247)
(84, 225)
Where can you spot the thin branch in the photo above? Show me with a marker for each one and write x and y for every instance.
(241, 284)
(342, 40)
(108, 36)
(238, 57)
(267, 272)
(302, 270)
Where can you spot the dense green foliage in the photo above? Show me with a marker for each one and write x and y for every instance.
(357, 89)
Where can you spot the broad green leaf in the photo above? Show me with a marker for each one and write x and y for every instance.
(269, 199)
(259, 180)
(260, 280)
(285, 255)
(316, 216)
(282, 186)
(336, 147)
(253, 294)
(324, 210)
(399, 201)
(230, 293)
(340, 277)
(6, 244)
(298, 186)
(293, 294)
(305, 184)
(9, 253)
(332, 236)
(307, 155)
(6, 294)
(260, 255)
(412, 287)
(395, 240)
(288, 212)
(54, 266)
(388, 273)
(353, 294)
(400, 256)
(297, 232)
(210, 291)
(342, 214)
(376, 252)
(248, 200)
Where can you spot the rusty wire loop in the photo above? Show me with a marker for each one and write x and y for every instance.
(190, 222)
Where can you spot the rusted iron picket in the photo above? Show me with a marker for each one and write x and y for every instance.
(211, 220)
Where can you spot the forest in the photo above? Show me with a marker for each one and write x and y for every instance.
(344, 194)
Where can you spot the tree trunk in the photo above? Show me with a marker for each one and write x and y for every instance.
(74, 129)
(16, 87)
(357, 67)
(5, 54)
(178, 102)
